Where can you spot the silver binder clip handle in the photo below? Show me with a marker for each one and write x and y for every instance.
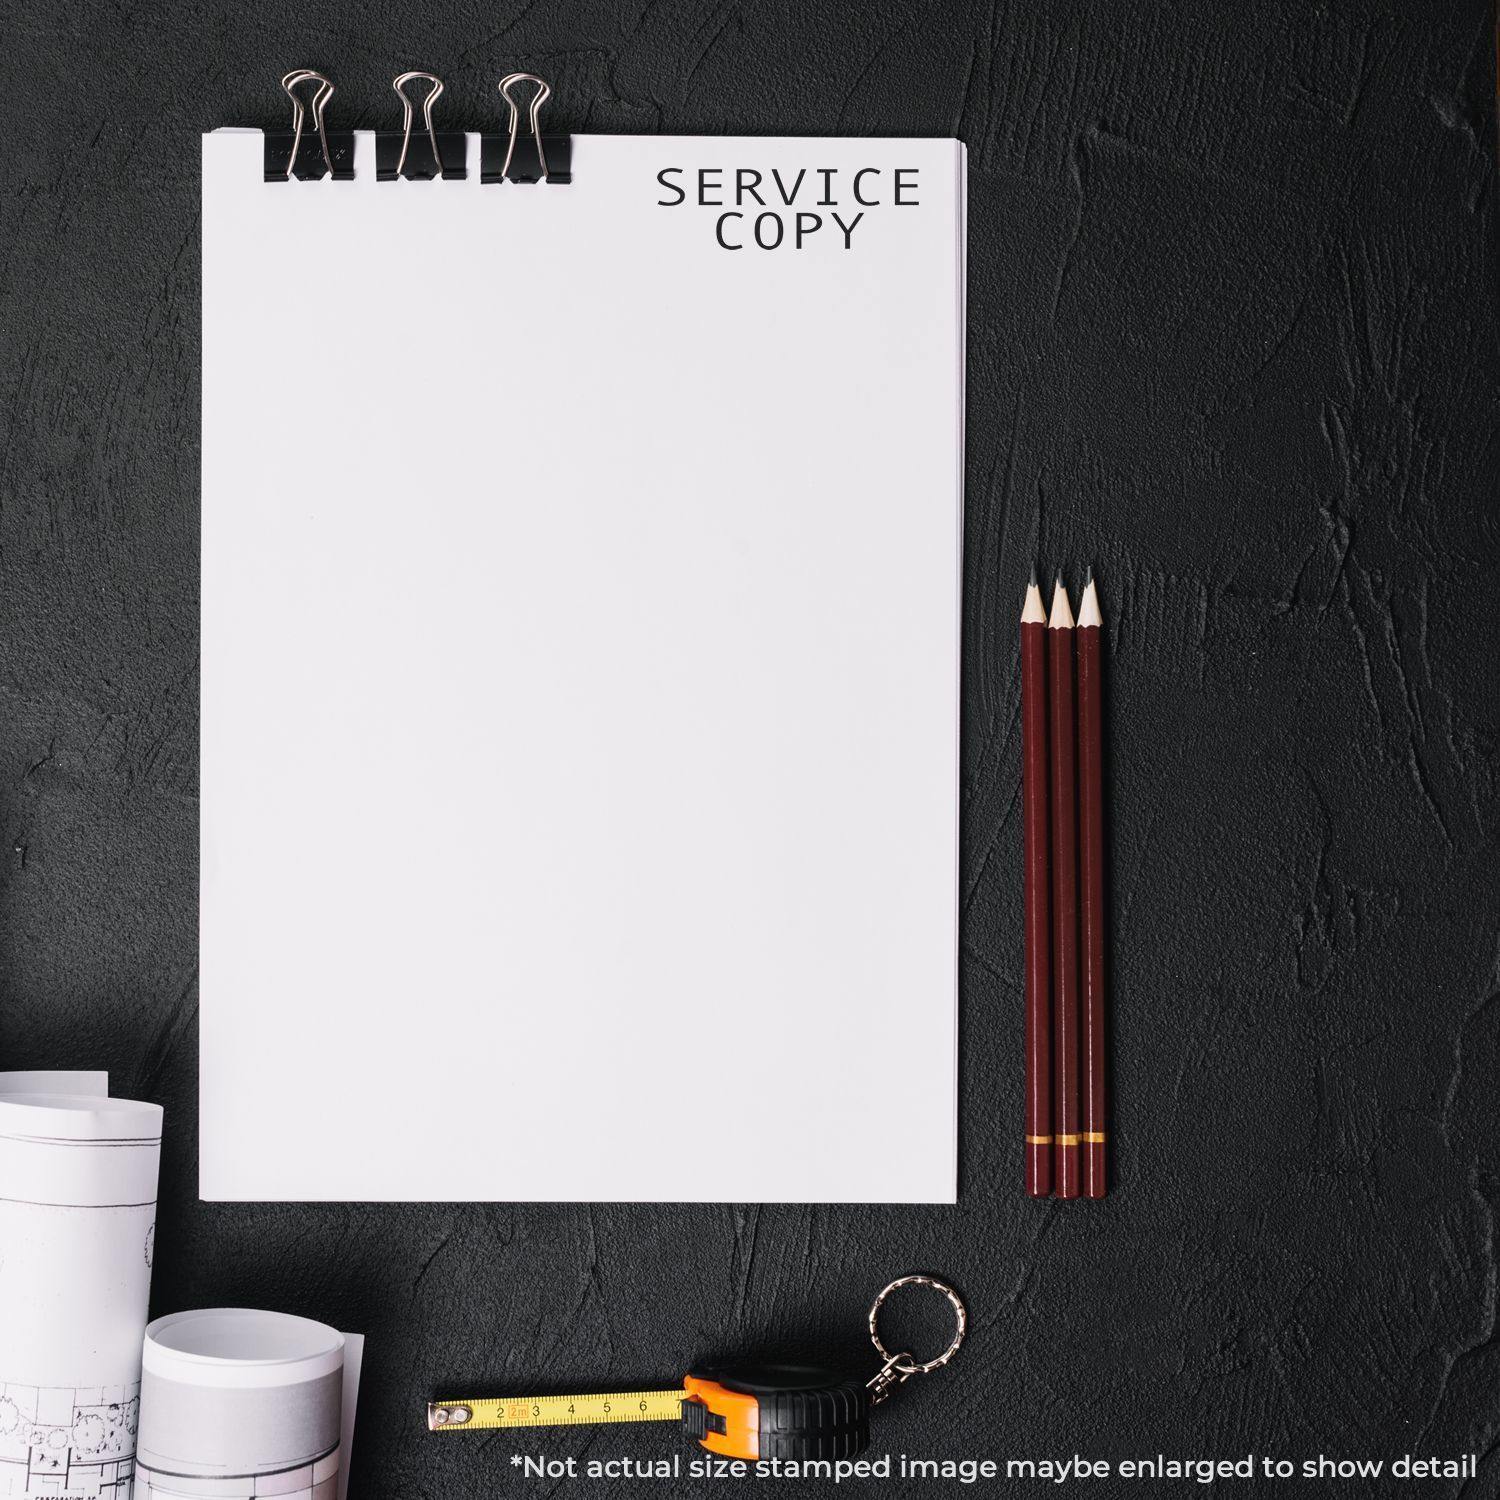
(291, 83)
(534, 116)
(409, 116)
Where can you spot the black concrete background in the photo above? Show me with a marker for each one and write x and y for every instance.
(1234, 339)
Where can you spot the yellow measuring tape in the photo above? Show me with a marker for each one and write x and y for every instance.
(555, 1411)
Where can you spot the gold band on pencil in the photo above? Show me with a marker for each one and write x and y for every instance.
(1038, 1140)
(1068, 1140)
(1092, 1137)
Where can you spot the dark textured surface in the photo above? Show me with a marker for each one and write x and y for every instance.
(1234, 338)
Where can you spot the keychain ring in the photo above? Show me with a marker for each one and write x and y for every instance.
(905, 1364)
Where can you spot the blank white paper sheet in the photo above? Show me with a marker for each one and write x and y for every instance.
(580, 676)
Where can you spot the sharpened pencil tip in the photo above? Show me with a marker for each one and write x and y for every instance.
(1033, 575)
(1088, 575)
(1032, 612)
(1088, 608)
(1062, 610)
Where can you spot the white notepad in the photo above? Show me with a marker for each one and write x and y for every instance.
(581, 677)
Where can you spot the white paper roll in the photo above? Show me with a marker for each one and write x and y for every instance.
(78, 1174)
(236, 1402)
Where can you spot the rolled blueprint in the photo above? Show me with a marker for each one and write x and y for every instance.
(236, 1403)
(78, 1177)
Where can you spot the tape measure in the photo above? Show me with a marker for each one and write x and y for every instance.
(747, 1411)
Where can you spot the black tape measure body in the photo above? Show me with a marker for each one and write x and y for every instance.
(776, 1411)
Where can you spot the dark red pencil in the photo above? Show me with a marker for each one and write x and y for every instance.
(1038, 895)
(1064, 896)
(1091, 878)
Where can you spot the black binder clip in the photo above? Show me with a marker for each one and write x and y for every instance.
(513, 158)
(419, 157)
(294, 153)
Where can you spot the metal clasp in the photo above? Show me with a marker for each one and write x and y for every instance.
(896, 1371)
